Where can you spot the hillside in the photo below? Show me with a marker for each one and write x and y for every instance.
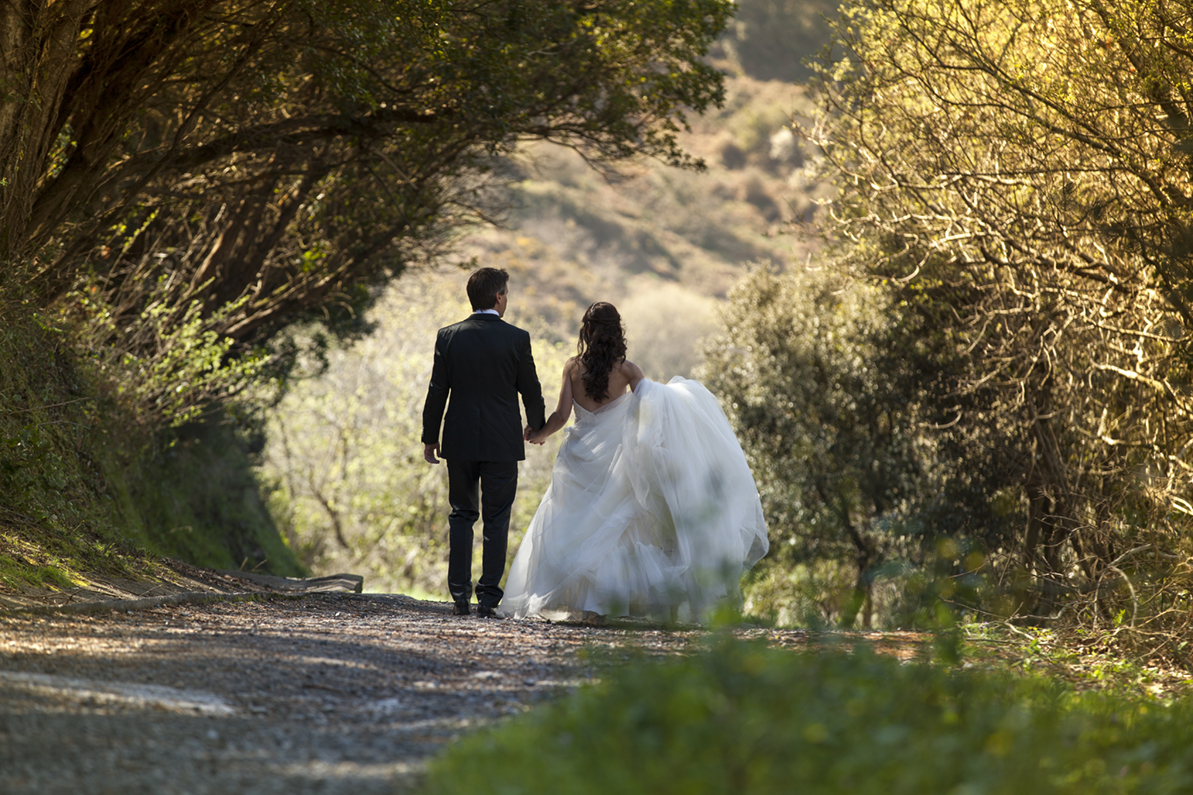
(663, 244)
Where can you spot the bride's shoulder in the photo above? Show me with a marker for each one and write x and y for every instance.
(629, 368)
(631, 372)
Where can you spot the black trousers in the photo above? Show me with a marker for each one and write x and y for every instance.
(498, 482)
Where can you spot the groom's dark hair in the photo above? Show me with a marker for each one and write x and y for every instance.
(484, 285)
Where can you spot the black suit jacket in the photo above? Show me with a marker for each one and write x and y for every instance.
(484, 363)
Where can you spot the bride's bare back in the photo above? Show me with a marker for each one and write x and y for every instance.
(624, 374)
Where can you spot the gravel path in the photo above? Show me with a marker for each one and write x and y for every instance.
(326, 693)
(322, 693)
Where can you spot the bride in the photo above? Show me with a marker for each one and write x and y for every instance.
(651, 511)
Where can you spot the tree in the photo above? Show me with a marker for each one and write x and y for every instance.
(265, 160)
(1029, 164)
(843, 402)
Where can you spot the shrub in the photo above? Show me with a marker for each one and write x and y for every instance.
(742, 718)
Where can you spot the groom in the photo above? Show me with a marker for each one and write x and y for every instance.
(484, 363)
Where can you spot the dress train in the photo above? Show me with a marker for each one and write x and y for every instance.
(651, 511)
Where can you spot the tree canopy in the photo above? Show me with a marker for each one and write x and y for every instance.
(1020, 173)
(274, 158)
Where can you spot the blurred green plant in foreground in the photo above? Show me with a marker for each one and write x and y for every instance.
(742, 718)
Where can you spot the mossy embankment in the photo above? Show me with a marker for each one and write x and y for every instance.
(84, 491)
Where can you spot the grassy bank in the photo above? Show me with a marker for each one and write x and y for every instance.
(84, 491)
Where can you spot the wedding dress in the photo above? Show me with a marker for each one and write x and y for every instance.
(651, 511)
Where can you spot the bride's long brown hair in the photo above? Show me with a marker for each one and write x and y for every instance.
(601, 346)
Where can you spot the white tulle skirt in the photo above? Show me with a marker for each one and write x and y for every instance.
(651, 511)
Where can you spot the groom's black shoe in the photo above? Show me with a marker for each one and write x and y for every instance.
(484, 611)
(461, 608)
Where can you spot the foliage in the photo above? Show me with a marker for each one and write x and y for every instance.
(255, 163)
(740, 718)
(199, 499)
(344, 456)
(840, 398)
(1019, 172)
(170, 364)
(83, 489)
(1085, 659)
(814, 594)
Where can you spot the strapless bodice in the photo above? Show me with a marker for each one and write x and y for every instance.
(583, 414)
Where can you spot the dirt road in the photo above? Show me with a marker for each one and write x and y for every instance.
(320, 693)
(329, 693)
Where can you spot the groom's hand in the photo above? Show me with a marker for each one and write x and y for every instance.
(431, 453)
(528, 434)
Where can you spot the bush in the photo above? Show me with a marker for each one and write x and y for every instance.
(88, 488)
(742, 718)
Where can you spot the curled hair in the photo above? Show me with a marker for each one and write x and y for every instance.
(601, 346)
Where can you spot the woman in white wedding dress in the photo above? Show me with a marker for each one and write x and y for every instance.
(651, 511)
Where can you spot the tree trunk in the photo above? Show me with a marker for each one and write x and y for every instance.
(38, 54)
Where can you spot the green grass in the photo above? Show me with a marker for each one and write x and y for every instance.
(199, 500)
(1080, 657)
(740, 718)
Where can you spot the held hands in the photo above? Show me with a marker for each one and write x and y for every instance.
(533, 436)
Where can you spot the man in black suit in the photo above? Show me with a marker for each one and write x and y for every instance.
(484, 363)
